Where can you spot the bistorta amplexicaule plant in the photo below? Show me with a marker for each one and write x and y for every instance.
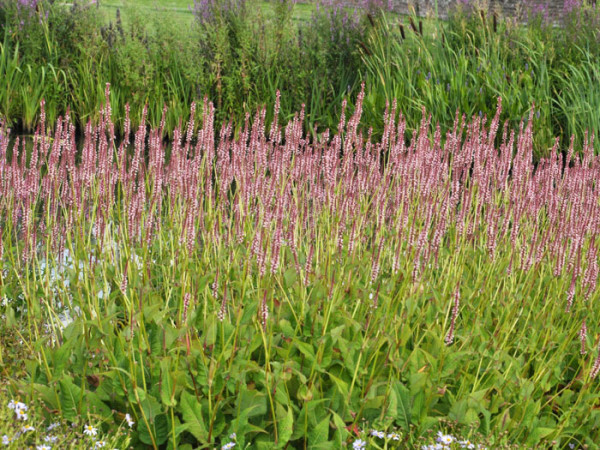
(251, 280)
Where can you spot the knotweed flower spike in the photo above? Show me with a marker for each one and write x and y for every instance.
(596, 366)
(583, 337)
(450, 336)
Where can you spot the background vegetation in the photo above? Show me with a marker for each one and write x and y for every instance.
(238, 53)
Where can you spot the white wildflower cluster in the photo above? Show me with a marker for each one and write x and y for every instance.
(21, 414)
(231, 444)
(383, 435)
(90, 430)
(444, 442)
(359, 444)
(19, 408)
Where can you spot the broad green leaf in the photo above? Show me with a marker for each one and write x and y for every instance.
(95, 405)
(167, 391)
(159, 429)
(69, 396)
(192, 416)
(320, 433)
(150, 407)
(403, 409)
(538, 434)
(60, 358)
(285, 428)
(47, 394)
(341, 384)
(306, 349)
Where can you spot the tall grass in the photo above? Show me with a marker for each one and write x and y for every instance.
(467, 63)
(576, 99)
(301, 292)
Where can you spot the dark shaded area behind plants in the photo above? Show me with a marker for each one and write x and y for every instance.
(239, 54)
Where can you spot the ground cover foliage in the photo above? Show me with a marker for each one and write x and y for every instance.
(298, 293)
(240, 53)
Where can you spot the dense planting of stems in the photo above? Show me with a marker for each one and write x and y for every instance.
(253, 280)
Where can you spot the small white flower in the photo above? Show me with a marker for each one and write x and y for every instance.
(359, 444)
(51, 439)
(100, 444)
(52, 426)
(393, 436)
(90, 430)
(17, 406)
(232, 436)
(43, 447)
(445, 438)
(27, 428)
(466, 444)
(228, 446)
(21, 414)
(378, 434)
(129, 420)
(5, 440)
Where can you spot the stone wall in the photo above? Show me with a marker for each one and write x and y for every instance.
(550, 9)
(508, 8)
